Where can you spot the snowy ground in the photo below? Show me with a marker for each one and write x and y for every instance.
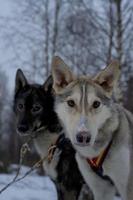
(33, 187)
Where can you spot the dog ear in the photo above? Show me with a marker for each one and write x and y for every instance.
(20, 81)
(48, 84)
(61, 74)
(108, 77)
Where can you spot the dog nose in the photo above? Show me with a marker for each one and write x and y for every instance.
(83, 137)
(23, 128)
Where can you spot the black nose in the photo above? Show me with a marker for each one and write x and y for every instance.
(23, 128)
(83, 137)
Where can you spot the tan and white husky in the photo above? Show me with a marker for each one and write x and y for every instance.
(95, 124)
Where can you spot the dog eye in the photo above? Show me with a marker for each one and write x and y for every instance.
(36, 108)
(20, 106)
(96, 104)
(71, 103)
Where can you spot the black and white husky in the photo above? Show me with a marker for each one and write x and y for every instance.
(35, 116)
(100, 130)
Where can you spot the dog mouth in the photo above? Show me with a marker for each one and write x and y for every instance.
(23, 133)
(31, 132)
(81, 144)
(38, 129)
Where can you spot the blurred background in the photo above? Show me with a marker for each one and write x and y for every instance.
(87, 34)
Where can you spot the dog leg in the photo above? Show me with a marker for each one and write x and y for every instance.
(50, 168)
(101, 189)
(118, 170)
(85, 193)
(64, 194)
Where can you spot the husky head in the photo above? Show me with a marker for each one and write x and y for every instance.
(33, 106)
(84, 106)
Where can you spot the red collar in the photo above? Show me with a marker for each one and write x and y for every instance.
(97, 162)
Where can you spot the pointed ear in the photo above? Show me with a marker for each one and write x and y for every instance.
(20, 81)
(61, 74)
(48, 84)
(108, 77)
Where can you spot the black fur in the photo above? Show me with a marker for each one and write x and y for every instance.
(31, 95)
(69, 175)
(69, 178)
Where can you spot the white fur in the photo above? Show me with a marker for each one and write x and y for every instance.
(102, 190)
(42, 143)
(117, 163)
(104, 123)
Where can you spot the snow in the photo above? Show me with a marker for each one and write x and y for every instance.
(23, 170)
(33, 187)
(116, 198)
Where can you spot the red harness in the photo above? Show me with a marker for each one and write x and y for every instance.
(97, 162)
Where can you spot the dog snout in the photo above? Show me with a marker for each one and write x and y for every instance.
(83, 137)
(23, 128)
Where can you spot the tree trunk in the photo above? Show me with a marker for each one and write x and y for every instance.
(111, 32)
(119, 30)
(46, 50)
(56, 25)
